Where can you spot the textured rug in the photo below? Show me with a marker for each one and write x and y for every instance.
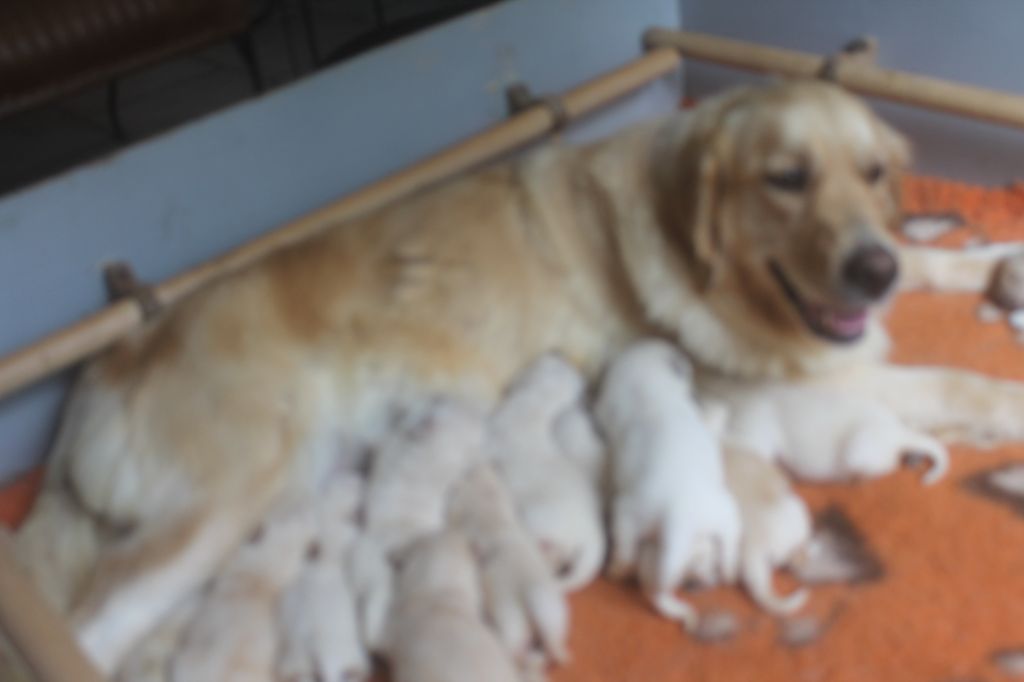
(927, 584)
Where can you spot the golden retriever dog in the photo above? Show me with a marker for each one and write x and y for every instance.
(753, 230)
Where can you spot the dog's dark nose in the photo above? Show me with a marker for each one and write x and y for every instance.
(870, 271)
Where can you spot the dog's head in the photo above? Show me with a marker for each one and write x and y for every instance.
(783, 198)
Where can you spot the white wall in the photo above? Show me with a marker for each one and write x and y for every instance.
(173, 201)
(976, 41)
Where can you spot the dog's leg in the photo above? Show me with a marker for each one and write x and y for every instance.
(965, 270)
(59, 545)
(953, 404)
(140, 581)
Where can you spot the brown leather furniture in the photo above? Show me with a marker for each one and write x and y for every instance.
(49, 48)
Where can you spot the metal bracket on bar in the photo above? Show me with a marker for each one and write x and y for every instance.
(861, 49)
(519, 98)
(121, 283)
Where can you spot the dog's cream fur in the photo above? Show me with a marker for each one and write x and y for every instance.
(670, 501)
(183, 434)
(522, 599)
(557, 499)
(434, 633)
(151, 660)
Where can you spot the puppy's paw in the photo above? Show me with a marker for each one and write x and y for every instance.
(932, 454)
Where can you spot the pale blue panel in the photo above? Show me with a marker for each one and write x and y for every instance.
(189, 194)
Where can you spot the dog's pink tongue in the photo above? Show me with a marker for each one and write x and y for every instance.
(844, 323)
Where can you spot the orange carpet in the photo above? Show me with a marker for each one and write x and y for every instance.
(943, 599)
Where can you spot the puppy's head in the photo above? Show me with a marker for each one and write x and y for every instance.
(783, 198)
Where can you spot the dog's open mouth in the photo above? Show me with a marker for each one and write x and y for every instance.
(839, 324)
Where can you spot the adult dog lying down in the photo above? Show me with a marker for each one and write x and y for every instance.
(754, 231)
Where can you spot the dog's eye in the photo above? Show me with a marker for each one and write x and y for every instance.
(874, 173)
(792, 180)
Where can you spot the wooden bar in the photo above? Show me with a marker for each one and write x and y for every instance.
(97, 331)
(899, 86)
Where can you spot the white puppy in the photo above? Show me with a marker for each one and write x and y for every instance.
(434, 633)
(522, 598)
(413, 469)
(670, 501)
(233, 635)
(318, 614)
(776, 525)
(558, 502)
(826, 435)
(370, 578)
(578, 438)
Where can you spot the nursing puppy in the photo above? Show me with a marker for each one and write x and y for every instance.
(318, 613)
(233, 636)
(434, 633)
(522, 599)
(776, 526)
(754, 230)
(557, 499)
(821, 434)
(414, 468)
(579, 440)
(670, 503)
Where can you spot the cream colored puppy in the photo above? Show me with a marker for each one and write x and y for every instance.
(522, 598)
(670, 502)
(823, 434)
(435, 633)
(318, 611)
(776, 525)
(233, 635)
(558, 502)
(413, 469)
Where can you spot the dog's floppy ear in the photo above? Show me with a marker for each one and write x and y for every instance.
(690, 187)
(898, 154)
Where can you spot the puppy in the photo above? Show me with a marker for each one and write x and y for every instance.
(669, 492)
(434, 633)
(318, 613)
(522, 598)
(370, 578)
(825, 435)
(579, 440)
(776, 525)
(557, 500)
(233, 635)
(413, 469)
